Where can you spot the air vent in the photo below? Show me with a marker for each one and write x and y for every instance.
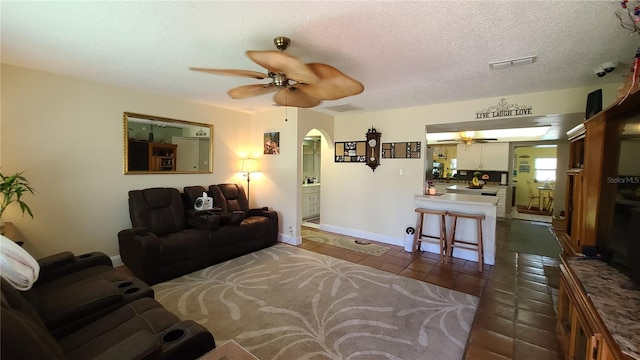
(498, 65)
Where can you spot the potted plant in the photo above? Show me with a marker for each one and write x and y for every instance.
(12, 188)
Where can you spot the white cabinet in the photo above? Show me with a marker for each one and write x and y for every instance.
(495, 156)
(310, 201)
(468, 157)
(488, 156)
(502, 198)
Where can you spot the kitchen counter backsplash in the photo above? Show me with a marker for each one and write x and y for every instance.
(465, 176)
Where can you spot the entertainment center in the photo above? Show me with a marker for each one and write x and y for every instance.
(599, 296)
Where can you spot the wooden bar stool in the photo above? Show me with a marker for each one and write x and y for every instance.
(442, 238)
(477, 246)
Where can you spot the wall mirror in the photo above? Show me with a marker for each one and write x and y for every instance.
(157, 145)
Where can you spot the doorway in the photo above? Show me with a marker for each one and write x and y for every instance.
(534, 179)
(311, 178)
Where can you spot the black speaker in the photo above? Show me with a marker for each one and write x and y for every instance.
(594, 104)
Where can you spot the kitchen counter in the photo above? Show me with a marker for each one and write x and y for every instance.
(310, 185)
(465, 229)
(469, 199)
(464, 189)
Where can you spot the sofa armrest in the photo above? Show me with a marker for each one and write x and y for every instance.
(272, 215)
(140, 252)
(133, 231)
(54, 261)
(65, 263)
(141, 345)
(186, 340)
(264, 211)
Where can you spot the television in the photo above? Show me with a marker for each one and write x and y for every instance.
(619, 243)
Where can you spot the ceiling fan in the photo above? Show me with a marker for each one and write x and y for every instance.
(297, 84)
(467, 138)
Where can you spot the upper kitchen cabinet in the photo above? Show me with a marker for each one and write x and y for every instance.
(485, 156)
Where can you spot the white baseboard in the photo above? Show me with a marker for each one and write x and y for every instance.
(364, 234)
(289, 239)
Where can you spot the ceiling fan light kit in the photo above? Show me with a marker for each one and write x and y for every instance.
(296, 84)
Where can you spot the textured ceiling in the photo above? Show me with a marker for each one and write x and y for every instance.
(405, 53)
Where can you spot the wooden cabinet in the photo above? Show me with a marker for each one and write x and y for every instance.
(487, 156)
(572, 239)
(593, 160)
(162, 157)
(581, 333)
(310, 201)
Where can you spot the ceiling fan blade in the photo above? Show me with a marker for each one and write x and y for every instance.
(279, 62)
(333, 83)
(232, 72)
(293, 96)
(447, 140)
(246, 91)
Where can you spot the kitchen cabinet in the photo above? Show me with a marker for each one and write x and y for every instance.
(502, 199)
(310, 201)
(487, 156)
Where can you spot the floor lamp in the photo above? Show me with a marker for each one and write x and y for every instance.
(249, 166)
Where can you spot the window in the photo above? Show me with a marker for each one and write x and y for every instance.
(545, 169)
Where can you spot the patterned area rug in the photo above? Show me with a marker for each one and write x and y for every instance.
(342, 241)
(288, 303)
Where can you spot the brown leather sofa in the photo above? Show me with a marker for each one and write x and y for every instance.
(142, 329)
(169, 239)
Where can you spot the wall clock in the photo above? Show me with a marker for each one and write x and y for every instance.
(373, 148)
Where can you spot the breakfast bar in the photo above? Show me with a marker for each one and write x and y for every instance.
(466, 229)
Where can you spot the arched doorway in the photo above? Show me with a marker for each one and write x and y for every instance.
(311, 178)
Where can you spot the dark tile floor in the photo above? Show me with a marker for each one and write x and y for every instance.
(516, 316)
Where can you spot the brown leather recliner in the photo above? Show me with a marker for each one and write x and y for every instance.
(73, 291)
(258, 227)
(142, 329)
(161, 245)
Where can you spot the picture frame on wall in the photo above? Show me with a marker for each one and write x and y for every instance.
(271, 143)
(350, 152)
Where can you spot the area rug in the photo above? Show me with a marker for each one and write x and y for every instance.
(533, 238)
(288, 303)
(345, 242)
(534, 210)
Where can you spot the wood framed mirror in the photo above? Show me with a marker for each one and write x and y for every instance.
(158, 145)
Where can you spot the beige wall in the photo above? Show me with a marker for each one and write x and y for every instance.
(67, 135)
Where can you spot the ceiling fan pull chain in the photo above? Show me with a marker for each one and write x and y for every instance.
(286, 107)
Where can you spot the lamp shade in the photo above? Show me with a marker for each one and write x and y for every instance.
(249, 166)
